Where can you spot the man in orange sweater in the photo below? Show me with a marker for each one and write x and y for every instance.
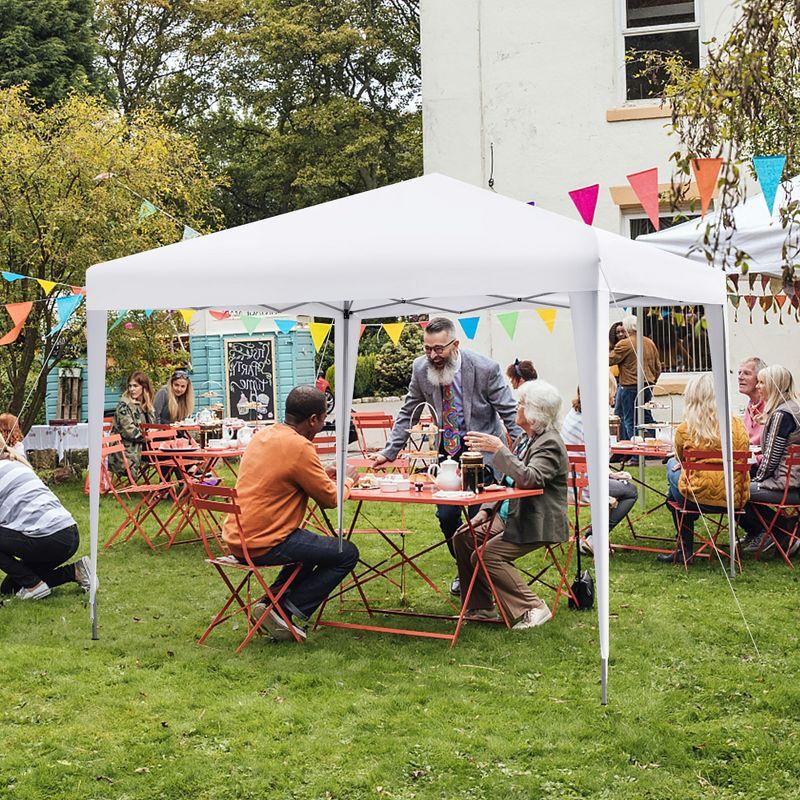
(280, 470)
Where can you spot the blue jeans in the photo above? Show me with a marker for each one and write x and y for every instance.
(673, 475)
(625, 409)
(323, 569)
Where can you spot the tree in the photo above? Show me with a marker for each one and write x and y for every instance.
(56, 219)
(48, 45)
(744, 101)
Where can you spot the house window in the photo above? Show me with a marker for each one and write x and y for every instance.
(669, 26)
(679, 332)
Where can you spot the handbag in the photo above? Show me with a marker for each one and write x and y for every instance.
(582, 590)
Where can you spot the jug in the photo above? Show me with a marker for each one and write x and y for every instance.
(445, 475)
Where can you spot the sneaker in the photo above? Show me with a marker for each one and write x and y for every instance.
(455, 587)
(533, 618)
(586, 546)
(83, 574)
(483, 614)
(275, 626)
(38, 592)
(794, 546)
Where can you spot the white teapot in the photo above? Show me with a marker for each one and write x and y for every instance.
(445, 475)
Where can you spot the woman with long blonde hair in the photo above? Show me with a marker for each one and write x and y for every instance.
(781, 430)
(134, 408)
(175, 400)
(702, 490)
(37, 534)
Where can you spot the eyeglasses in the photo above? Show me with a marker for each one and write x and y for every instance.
(180, 373)
(437, 348)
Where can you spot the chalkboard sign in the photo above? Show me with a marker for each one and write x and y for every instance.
(250, 378)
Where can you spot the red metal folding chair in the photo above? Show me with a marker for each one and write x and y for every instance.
(139, 501)
(107, 423)
(215, 504)
(769, 514)
(714, 517)
(364, 421)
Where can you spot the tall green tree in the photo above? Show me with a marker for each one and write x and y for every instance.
(48, 45)
(744, 101)
(57, 218)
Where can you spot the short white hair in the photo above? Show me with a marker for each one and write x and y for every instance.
(629, 323)
(541, 404)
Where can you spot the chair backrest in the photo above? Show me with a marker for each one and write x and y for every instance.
(325, 445)
(695, 460)
(210, 501)
(113, 444)
(158, 433)
(792, 457)
(371, 421)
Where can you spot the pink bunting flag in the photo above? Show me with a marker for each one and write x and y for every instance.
(586, 201)
(645, 186)
(220, 314)
(18, 313)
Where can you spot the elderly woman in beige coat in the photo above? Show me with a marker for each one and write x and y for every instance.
(537, 460)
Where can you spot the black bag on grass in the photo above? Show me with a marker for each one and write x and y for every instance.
(582, 590)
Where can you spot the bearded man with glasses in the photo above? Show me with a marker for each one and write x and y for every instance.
(468, 392)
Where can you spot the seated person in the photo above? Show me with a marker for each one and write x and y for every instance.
(537, 460)
(753, 417)
(781, 429)
(519, 372)
(174, 402)
(10, 431)
(700, 431)
(279, 471)
(134, 409)
(622, 493)
(37, 534)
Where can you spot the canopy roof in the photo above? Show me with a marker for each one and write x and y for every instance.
(760, 236)
(428, 243)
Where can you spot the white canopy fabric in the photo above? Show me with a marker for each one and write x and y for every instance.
(757, 233)
(430, 244)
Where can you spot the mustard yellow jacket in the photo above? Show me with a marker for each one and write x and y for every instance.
(708, 488)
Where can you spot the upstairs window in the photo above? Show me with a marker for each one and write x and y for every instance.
(668, 26)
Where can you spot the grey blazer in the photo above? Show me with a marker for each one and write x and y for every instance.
(488, 403)
(541, 519)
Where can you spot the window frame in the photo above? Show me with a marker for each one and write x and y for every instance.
(625, 31)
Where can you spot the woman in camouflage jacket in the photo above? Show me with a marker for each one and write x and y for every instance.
(134, 408)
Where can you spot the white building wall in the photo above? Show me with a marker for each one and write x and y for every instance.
(535, 80)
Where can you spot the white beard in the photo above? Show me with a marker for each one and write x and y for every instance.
(446, 375)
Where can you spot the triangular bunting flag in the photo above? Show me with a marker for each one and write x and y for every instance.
(508, 319)
(424, 324)
(146, 209)
(469, 325)
(319, 333)
(776, 285)
(780, 299)
(120, 317)
(769, 170)
(65, 307)
(187, 314)
(548, 316)
(706, 172)
(48, 286)
(645, 186)
(734, 279)
(220, 314)
(394, 331)
(766, 303)
(285, 325)
(361, 330)
(18, 313)
(13, 276)
(250, 322)
(586, 201)
(765, 279)
(78, 290)
(148, 312)
(189, 233)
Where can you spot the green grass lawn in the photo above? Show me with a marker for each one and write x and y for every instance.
(147, 713)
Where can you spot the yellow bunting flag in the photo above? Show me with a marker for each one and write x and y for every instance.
(187, 314)
(548, 316)
(319, 333)
(48, 286)
(395, 331)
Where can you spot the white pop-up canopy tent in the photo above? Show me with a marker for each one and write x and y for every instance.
(429, 244)
(758, 233)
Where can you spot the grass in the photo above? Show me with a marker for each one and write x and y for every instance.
(147, 713)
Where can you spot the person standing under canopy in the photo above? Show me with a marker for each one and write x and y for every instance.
(468, 393)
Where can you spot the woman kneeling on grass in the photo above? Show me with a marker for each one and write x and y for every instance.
(537, 460)
(37, 534)
(701, 490)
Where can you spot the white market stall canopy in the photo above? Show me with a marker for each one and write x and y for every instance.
(430, 244)
(757, 233)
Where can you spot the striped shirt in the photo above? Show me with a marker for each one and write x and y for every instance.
(27, 506)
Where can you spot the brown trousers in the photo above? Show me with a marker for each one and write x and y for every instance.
(511, 587)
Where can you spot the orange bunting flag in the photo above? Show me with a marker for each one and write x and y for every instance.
(18, 313)
(706, 172)
(645, 186)
(548, 316)
(394, 330)
(220, 314)
(319, 333)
